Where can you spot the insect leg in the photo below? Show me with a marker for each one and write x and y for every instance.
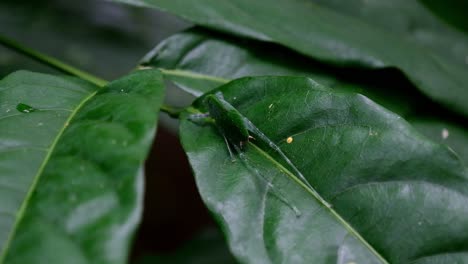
(275, 191)
(283, 199)
(273, 146)
(231, 154)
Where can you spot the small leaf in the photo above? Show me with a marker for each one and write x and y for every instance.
(71, 177)
(397, 197)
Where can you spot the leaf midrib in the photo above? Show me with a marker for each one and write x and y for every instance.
(38, 175)
(348, 226)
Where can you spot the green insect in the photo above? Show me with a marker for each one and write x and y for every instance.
(237, 130)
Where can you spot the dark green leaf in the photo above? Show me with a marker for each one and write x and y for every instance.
(397, 197)
(216, 59)
(374, 34)
(199, 61)
(70, 174)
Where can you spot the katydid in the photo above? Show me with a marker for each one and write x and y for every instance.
(237, 130)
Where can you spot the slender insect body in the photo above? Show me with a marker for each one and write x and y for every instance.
(228, 120)
(270, 185)
(278, 150)
(236, 130)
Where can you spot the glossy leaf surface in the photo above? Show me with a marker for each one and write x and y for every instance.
(397, 196)
(70, 174)
(446, 133)
(374, 34)
(199, 61)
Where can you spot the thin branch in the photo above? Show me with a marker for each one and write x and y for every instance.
(50, 61)
(171, 111)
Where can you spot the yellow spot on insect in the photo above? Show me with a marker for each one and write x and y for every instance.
(289, 140)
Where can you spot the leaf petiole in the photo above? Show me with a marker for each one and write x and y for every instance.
(171, 111)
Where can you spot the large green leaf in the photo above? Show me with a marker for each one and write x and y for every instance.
(397, 196)
(199, 61)
(70, 174)
(373, 34)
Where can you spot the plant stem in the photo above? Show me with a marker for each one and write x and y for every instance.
(171, 111)
(50, 61)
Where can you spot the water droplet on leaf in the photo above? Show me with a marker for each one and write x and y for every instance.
(24, 108)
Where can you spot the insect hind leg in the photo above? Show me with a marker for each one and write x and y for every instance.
(231, 154)
(283, 199)
(276, 192)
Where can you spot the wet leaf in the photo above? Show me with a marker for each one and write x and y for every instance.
(397, 196)
(199, 61)
(70, 171)
(374, 34)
